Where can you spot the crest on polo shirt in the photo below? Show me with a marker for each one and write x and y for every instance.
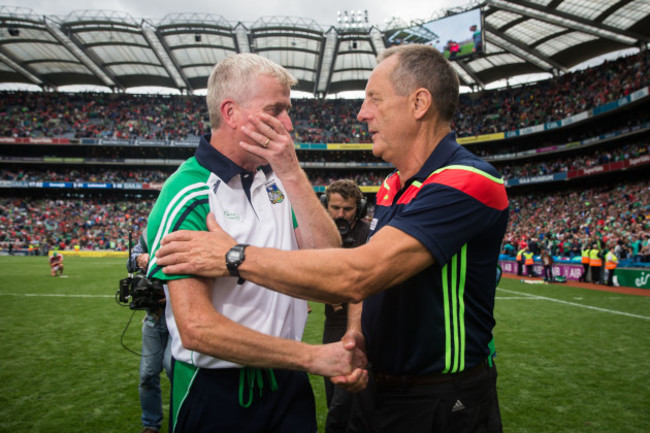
(275, 195)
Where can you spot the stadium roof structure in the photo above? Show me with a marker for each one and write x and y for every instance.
(114, 50)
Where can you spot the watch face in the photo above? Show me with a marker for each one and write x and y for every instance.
(234, 256)
(234, 259)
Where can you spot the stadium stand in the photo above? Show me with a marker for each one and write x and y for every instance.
(73, 165)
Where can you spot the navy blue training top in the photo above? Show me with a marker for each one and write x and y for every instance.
(440, 320)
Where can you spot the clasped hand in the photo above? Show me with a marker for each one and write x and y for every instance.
(357, 380)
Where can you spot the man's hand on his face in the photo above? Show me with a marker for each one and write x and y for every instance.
(273, 143)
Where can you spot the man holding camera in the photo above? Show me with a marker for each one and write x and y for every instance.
(156, 348)
(347, 207)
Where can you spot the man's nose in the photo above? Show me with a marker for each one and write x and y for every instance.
(286, 121)
(361, 116)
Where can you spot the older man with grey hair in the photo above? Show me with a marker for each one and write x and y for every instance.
(239, 363)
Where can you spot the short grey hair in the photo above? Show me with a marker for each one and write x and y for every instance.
(424, 66)
(231, 78)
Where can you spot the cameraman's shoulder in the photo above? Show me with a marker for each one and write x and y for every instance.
(364, 227)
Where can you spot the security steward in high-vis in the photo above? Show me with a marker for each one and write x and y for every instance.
(529, 261)
(595, 263)
(585, 263)
(427, 274)
(611, 262)
(520, 261)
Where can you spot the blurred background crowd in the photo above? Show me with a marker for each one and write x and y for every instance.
(615, 214)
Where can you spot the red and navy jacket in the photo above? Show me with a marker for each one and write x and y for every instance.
(440, 320)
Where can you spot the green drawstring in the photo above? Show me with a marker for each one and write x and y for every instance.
(493, 352)
(248, 376)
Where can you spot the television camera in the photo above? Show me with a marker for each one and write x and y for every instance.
(137, 291)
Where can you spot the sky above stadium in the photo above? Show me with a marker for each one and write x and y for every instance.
(323, 12)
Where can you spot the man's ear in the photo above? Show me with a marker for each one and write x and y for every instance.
(421, 102)
(228, 111)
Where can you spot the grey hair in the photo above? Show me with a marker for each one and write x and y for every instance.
(232, 78)
(424, 66)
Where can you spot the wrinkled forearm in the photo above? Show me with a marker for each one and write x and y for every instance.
(315, 227)
(337, 275)
(354, 316)
(204, 330)
(324, 275)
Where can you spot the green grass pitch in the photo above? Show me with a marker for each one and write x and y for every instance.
(569, 359)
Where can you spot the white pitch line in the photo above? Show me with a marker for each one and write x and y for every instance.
(604, 310)
(526, 295)
(55, 295)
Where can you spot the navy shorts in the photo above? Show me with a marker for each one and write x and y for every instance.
(212, 400)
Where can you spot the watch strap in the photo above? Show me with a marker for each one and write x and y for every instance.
(233, 268)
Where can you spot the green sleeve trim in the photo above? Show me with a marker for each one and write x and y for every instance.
(471, 169)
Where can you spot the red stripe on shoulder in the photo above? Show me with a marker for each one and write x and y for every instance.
(473, 183)
(410, 193)
(389, 188)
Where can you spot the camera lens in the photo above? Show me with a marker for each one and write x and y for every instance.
(342, 225)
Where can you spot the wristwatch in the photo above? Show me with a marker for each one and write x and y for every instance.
(234, 258)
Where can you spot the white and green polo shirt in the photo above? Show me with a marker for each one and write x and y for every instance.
(254, 209)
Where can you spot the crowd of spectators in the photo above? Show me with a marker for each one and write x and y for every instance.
(339, 156)
(330, 121)
(555, 99)
(617, 216)
(619, 123)
(360, 177)
(103, 175)
(100, 174)
(562, 163)
(101, 115)
(40, 225)
(182, 117)
(559, 163)
(79, 175)
(614, 217)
